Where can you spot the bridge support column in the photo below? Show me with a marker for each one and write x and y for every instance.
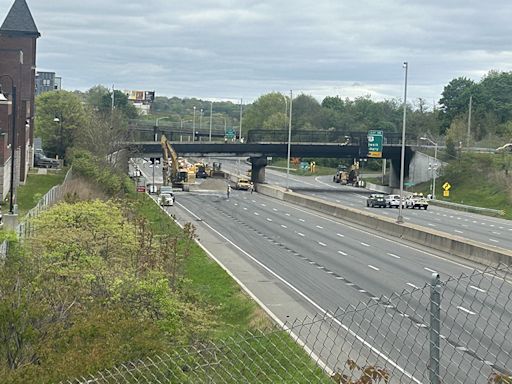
(258, 169)
(394, 173)
(394, 170)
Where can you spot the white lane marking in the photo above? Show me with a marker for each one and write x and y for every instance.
(372, 267)
(263, 205)
(340, 278)
(302, 220)
(491, 225)
(300, 234)
(320, 267)
(256, 213)
(322, 244)
(477, 289)
(349, 284)
(412, 285)
(340, 235)
(457, 231)
(430, 270)
(393, 255)
(283, 226)
(236, 204)
(330, 272)
(312, 262)
(269, 219)
(274, 209)
(245, 208)
(494, 240)
(364, 244)
(338, 201)
(362, 290)
(496, 233)
(320, 227)
(501, 228)
(466, 310)
(253, 201)
(287, 214)
(342, 253)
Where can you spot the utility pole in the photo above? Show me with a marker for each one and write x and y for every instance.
(211, 110)
(469, 120)
(241, 111)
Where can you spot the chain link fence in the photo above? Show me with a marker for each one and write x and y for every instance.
(456, 330)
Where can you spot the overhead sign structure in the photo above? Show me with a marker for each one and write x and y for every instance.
(375, 140)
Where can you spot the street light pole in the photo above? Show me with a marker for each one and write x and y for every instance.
(434, 166)
(285, 109)
(13, 138)
(400, 218)
(211, 117)
(58, 119)
(156, 126)
(194, 126)
(289, 144)
(241, 111)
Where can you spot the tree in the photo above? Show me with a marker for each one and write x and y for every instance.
(455, 100)
(264, 107)
(60, 116)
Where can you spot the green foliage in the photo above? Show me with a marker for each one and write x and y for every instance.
(58, 136)
(96, 169)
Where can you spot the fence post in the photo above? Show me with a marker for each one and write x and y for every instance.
(435, 328)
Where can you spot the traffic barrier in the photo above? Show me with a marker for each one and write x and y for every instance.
(440, 241)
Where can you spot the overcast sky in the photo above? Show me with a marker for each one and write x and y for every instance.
(227, 49)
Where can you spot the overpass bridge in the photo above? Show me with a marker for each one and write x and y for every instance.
(259, 152)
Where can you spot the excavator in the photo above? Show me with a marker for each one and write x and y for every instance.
(173, 173)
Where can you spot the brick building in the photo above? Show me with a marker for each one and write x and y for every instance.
(18, 36)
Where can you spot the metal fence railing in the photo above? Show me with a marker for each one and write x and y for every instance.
(456, 330)
(54, 195)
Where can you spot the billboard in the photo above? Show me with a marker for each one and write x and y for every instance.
(140, 96)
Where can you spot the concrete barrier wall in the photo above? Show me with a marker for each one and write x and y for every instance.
(440, 241)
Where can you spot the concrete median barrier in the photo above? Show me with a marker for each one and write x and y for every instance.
(440, 241)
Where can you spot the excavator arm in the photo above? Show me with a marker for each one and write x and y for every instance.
(170, 163)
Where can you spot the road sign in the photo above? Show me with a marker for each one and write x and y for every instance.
(446, 186)
(446, 193)
(230, 133)
(141, 188)
(409, 184)
(375, 140)
(304, 165)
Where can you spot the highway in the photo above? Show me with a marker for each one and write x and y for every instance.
(492, 231)
(333, 265)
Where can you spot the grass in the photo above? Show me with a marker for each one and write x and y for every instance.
(234, 312)
(36, 186)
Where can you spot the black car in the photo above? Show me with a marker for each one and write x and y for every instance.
(201, 174)
(40, 160)
(376, 200)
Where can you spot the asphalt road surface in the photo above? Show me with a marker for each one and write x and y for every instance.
(331, 266)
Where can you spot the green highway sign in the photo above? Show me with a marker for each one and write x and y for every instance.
(375, 140)
(230, 133)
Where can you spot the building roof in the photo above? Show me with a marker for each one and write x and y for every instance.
(19, 21)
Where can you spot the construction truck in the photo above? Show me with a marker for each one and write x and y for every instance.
(173, 171)
(347, 176)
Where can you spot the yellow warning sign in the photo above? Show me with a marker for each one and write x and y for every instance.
(446, 193)
(446, 186)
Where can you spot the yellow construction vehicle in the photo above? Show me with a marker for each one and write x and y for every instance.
(173, 173)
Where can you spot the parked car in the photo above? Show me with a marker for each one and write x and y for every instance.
(416, 201)
(152, 189)
(243, 184)
(166, 196)
(201, 174)
(40, 160)
(393, 201)
(376, 200)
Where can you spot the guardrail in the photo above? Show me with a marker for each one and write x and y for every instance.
(468, 208)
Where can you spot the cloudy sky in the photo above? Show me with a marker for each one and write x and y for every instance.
(227, 49)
